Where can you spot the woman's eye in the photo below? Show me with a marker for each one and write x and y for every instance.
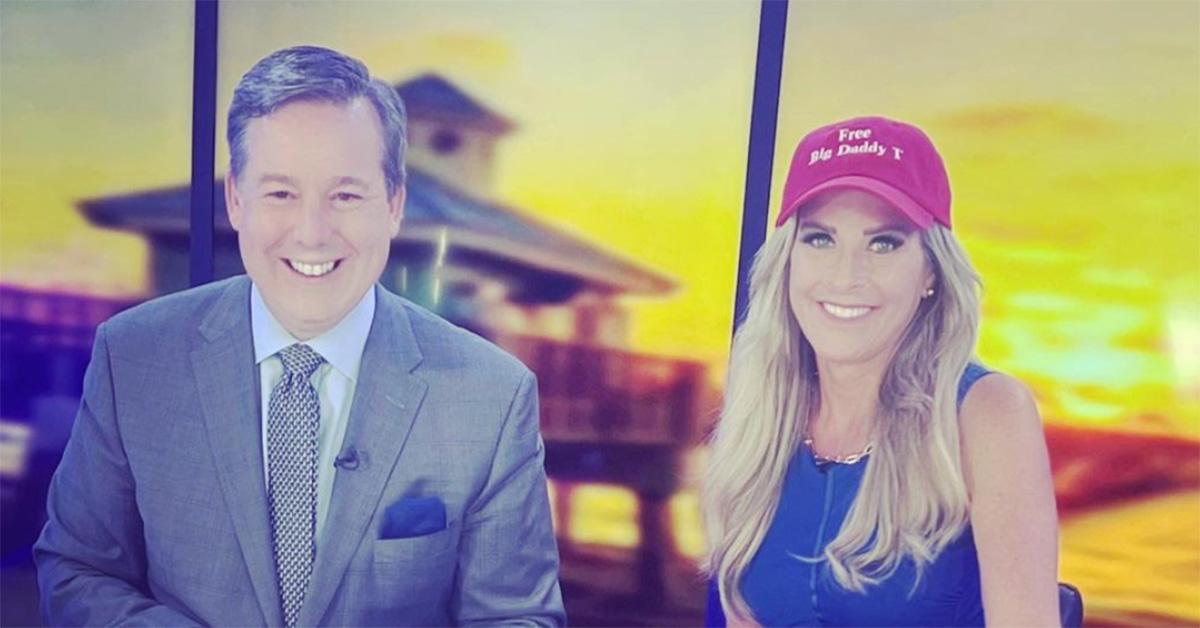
(885, 244)
(818, 240)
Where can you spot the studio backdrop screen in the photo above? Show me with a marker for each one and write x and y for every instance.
(577, 174)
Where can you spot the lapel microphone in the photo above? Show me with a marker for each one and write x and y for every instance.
(348, 459)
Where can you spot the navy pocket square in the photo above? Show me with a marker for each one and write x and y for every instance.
(413, 516)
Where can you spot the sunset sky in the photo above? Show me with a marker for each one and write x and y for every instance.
(1072, 135)
(1071, 131)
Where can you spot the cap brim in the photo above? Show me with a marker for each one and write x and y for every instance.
(901, 201)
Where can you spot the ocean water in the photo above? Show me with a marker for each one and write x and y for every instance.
(1136, 562)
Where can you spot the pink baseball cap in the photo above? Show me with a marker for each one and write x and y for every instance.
(893, 160)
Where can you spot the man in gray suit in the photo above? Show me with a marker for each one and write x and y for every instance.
(302, 447)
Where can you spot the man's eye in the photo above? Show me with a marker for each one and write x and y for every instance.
(885, 244)
(818, 240)
(346, 197)
(279, 195)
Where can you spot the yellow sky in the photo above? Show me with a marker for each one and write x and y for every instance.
(632, 124)
(1071, 130)
(94, 99)
(1072, 134)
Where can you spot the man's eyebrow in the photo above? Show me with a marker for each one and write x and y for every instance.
(276, 178)
(348, 180)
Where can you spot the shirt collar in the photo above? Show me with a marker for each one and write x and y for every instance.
(341, 346)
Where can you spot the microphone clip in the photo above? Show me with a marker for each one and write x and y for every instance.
(348, 460)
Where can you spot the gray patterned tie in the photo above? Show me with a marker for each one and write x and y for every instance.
(294, 417)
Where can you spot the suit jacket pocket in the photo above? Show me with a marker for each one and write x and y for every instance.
(414, 548)
(413, 528)
(413, 516)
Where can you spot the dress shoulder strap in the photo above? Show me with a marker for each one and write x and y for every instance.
(971, 375)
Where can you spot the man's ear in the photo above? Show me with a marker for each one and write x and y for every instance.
(233, 202)
(396, 209)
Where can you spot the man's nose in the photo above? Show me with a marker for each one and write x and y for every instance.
(315, 225)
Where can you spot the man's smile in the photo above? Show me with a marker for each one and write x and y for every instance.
(312, 269)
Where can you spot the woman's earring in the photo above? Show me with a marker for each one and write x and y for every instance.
(928, 293)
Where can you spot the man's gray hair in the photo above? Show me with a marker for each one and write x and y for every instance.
(310, 73)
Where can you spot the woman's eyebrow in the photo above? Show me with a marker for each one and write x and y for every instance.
(892, 228)
(809, 224)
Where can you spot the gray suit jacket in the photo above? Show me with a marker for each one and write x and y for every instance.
(158, 512)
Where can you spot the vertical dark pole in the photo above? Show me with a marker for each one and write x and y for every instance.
(204, 132)
(772, 25)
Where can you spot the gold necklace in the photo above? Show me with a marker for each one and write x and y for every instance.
(847, 459)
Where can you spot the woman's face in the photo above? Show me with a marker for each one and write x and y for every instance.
(858, 272)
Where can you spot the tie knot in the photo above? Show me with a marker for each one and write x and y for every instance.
(300, 360)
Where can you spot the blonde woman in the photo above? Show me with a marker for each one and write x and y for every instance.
(865, 471)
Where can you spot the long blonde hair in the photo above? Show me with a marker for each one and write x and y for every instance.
(913, 499)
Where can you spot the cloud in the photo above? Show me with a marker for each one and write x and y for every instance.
(1026, 118)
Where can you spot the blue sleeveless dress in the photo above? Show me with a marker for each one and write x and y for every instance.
(785, 591)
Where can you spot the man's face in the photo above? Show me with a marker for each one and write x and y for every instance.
(311, 209)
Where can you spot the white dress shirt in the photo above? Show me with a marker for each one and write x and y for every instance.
(335, 380)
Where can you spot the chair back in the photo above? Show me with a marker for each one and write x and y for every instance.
(1070, 606)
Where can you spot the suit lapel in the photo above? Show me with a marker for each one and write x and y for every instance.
(386, 399)
(229, 393)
